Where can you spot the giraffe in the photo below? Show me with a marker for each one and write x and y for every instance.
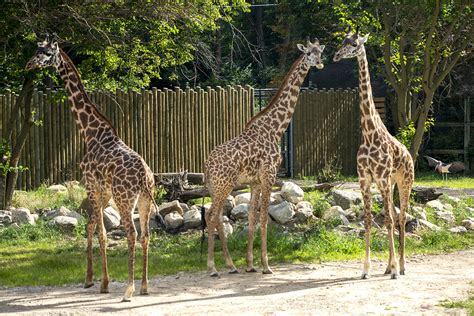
(381, 159)
(253, 157)
(110, 169)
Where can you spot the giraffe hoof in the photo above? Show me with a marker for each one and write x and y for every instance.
(144, 292)
(251, 270)
(88, 285)
(267, 271)
(388, 271)
(214, 274)
(394, 276)
(233, 271)
(125, 299)
(104, 291)
(402, 272)
(365, 276)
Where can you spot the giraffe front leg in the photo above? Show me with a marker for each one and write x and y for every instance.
(252, 222)
(386, 191)
(144, 207)
(404, 201)
(211, 226)
(365, 183)
(90, 233)
(265, 199)
(104, 285)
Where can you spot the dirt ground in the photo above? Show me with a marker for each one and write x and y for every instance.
(328, 288)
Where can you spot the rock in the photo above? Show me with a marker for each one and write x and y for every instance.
(153, 224)
(15, 225)
(276, 198)
(184, 207)
(192, 219)
(228, 229)
(229, 204)
(64, 223)
(346, 198)
(436, 205)
(419, 212)
(448, 207)
(22, 216)
(291, 192)
(170, 207)
(468, 223)
(281, 213)
(111, 218)
(470, 209)
(346, 229)
(412, 226)
(243, 198)
(62, 211)
(458, 230)
(5, 217)
(85, 208)
(452, 199)
(240, 212)
(332, 212)
(173, 220)
(303, 212)
(350, 214)
(57, 188)
(447, 216)
(428, 225)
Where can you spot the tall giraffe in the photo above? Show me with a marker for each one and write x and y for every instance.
(253, 157)
(381, 159)
(110, 169)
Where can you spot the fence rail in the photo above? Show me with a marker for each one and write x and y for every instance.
(172, 130)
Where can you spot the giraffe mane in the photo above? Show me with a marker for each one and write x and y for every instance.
(277, 94)
(68, 60)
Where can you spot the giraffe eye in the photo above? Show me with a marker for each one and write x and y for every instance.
(354, 44)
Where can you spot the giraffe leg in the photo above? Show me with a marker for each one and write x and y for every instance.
(104, 285)
(220, 230)
(91, 225)
(365, 182)
(385, 190)
(126, 210)
(404, 192)
(144, 208)
(211, 226)
(252, 221)
(265, 199)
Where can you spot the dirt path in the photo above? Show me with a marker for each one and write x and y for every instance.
(329, 288)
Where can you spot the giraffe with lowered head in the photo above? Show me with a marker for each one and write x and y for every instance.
(253, 157)
(381, 159)
(110, 169)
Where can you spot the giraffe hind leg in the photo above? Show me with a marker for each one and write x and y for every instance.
(365, 182)
(144, 209)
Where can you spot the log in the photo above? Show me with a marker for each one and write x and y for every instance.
(194, 178)
(423, 195)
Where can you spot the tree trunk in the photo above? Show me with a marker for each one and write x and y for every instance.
(28, 122)
(420, 125)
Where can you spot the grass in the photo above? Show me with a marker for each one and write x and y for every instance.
(468, 304)
(432, 179)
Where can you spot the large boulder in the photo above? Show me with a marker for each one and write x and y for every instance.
(276, 198)
(458, 230)
(303, 212)
(57, 188)
(240, 212)
(64, 223)
(22, 216)
(62, 211)
(346, 198)
(111, 218)
(291, 193)
(192, 218)
(468, 223)
(173, 220)
(170, 207)
(436, 205)
(446, 216)
(243, 198)
(282, 213)
(228, 229)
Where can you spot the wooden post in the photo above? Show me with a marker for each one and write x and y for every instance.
(467, 131)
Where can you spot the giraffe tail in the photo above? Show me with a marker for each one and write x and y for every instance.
(158, 216)
(203, 224)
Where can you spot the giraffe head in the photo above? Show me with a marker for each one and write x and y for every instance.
(352, 46)
(312, 53)
(47, 55)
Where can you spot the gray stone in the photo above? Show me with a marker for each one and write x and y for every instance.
(458, 230)
(228, 229)
(412, 226)
(452, 199)
(240, 212)
(5, 217)
(64, 223)
(419, 212)
(229, 204)
(428, 225)
(15, 225)
(468, 223)
(346, 198)
(291, 192)
(22, 216)
(303, 211)
(333, 212)
(192, 218)
(111, 218)
(448, 207)
(170, 207)
(57, 188)
(436, 205)
(276, 198)
(470, 209)
(62, 211)
(282, 213)
(173, 220)
(447, 216)
(184, 207)
(243, 198)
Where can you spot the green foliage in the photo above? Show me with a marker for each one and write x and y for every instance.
(431, 179)
(320, 202)
(331, 171)
(24, 234)
(406, 134)
(5, 159)
(464, 304)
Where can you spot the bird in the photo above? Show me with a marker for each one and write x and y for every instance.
(445, 168)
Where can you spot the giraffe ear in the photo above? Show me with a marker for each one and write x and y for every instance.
(54, 45)
(321, 47)
(362, 40)
(302, 48)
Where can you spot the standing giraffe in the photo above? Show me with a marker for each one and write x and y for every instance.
(253, 157)
(110, 169)
(381, 159)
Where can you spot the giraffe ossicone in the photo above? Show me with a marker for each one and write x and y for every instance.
(254, 157)
(110, 169)
(381, 159)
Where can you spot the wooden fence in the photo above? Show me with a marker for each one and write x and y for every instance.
(326, 127)
(172, 130)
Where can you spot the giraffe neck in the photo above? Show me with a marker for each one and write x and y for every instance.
(370, 120)
(277, 115)
(92, 124)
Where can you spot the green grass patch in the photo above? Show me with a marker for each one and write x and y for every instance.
(432, 179)
(467, 304)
